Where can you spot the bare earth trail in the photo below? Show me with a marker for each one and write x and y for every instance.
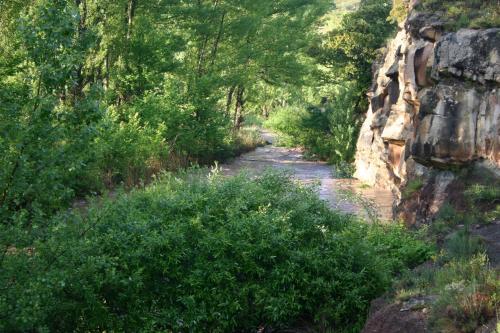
(331, 189)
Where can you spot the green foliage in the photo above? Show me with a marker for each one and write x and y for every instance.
(126, 150)
(476, 14)
(287, 121)
(95, 93)
(44, 131)
(469, 295)
(329, 131)
(349, 51)
(344, 170)
(197, 253)
(461, 244)
(399, 11)
(334, 18)
(405, 248)
(446, 220)
(465, 293)
(464, 287)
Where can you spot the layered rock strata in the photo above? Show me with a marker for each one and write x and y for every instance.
(434, 107)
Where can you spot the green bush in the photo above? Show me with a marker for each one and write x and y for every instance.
(199, 254)
(462, 244)
(399, 11)
(287, 121)
(127, 151)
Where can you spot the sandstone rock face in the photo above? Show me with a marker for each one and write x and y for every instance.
(435, 103)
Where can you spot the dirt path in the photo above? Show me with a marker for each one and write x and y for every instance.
(331, 189)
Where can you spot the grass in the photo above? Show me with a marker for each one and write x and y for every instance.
(482, 193)
(476, 14)
(457, 14)
(468, 295)
(465, 287)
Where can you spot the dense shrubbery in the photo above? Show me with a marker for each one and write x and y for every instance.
(199, 254)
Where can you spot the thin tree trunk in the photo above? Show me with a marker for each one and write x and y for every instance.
(201, 56)
(76, 91)
(229, 100)
(130, 17)
(240, 104)
(218, 39)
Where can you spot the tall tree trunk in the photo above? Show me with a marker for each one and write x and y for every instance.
(240, 104)
(265, 111)
(107, 68)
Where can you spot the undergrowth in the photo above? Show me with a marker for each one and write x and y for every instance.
(192, 253)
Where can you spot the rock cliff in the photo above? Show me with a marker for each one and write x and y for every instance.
(434, 108)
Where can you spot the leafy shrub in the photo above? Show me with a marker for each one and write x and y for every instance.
(446, 219)
(252, 120)
(287, 121)
(406, 250)
(344, 170)
(462, 244)
(199, 254)
(460, 279)
(129, 152)
(246, 139)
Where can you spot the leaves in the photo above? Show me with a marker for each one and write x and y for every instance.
(196, 253)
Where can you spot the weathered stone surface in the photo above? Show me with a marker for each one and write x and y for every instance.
(431, 33)
(424, 58)
(457, 125)
(419, 24)
(435, 103)
(471, 54)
